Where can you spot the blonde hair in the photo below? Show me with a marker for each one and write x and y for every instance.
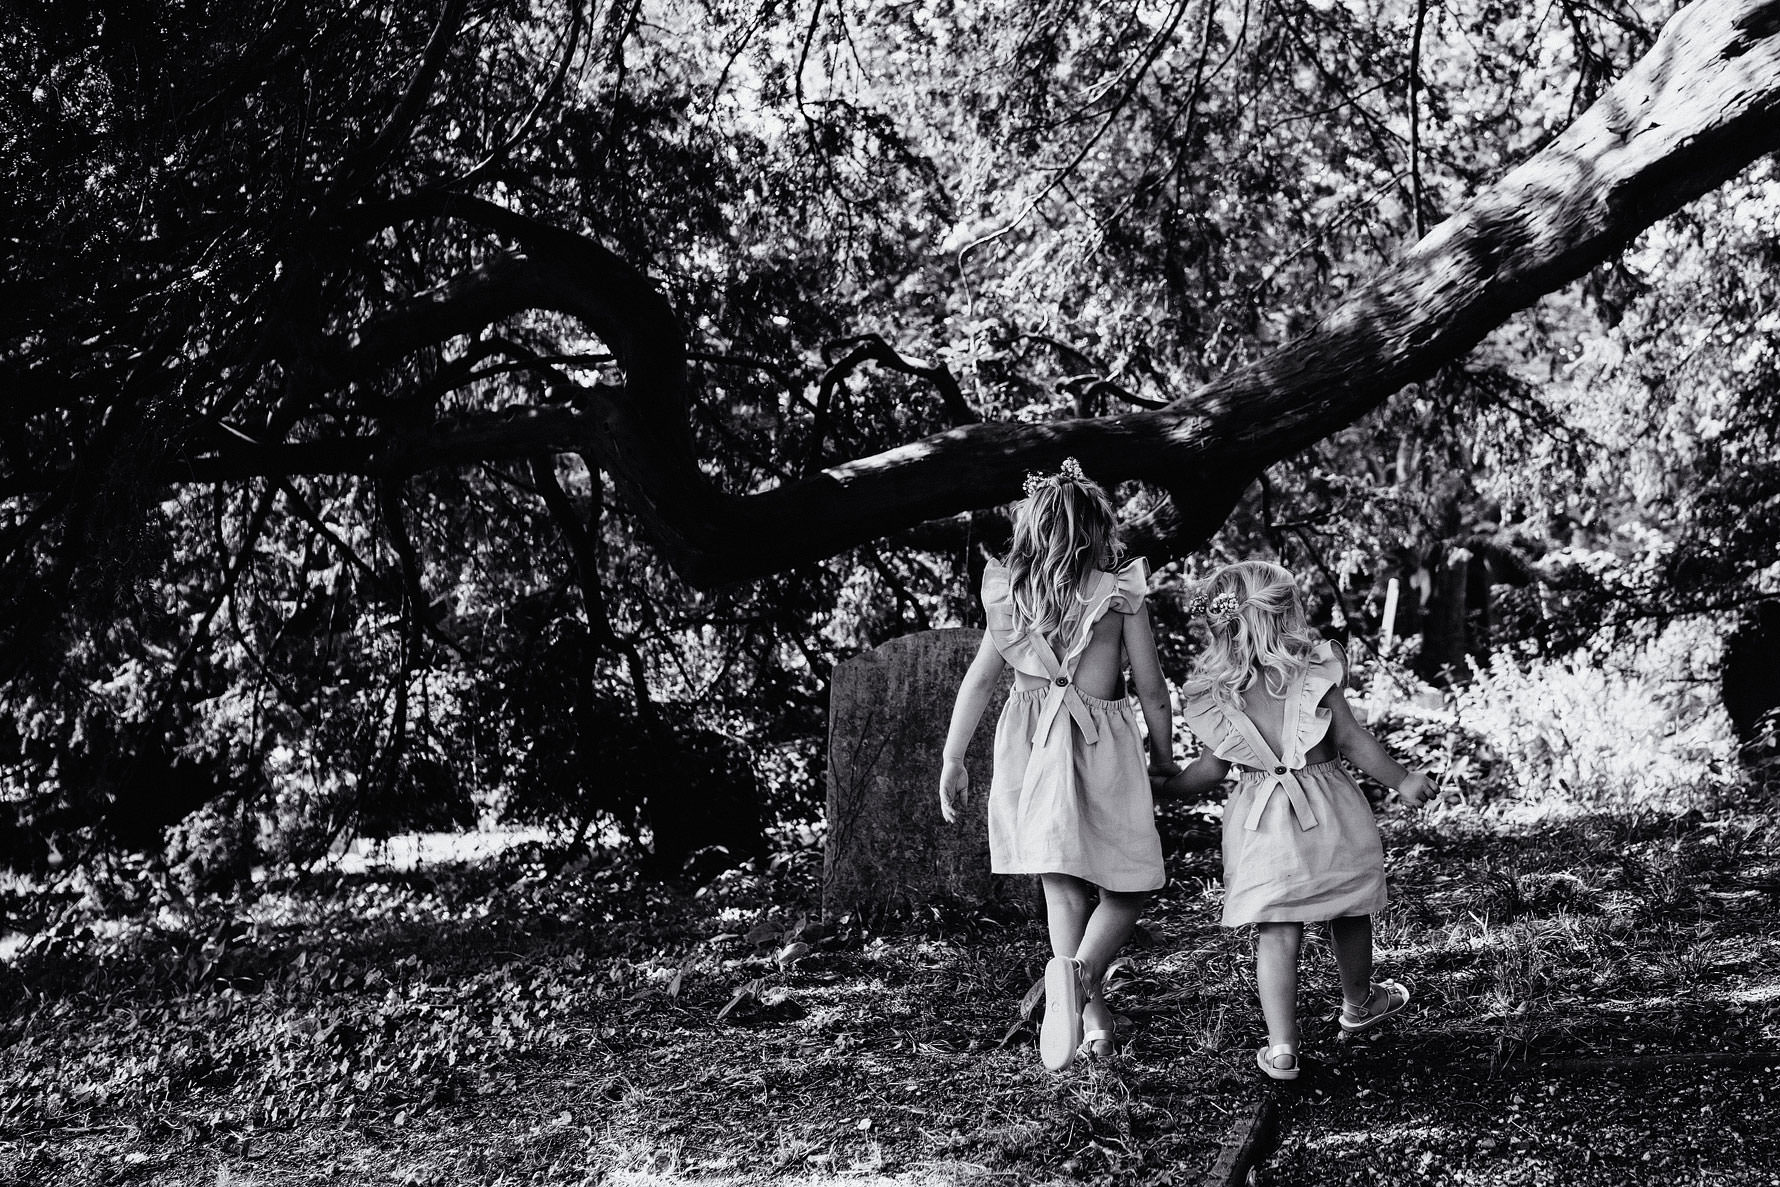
(1064, 529)
(1267, 638)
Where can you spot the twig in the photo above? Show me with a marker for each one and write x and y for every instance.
(1415, 139)
(1151, 52)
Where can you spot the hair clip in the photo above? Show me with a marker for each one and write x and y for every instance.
(1071, 469)
(1219, 610)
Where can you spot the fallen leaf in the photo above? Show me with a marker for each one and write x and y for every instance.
(746, 993)
(1029, 1003)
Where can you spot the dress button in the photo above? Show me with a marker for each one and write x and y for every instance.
(1279, 770)
(1062, 682)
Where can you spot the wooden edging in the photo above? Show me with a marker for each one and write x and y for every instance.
(1250, 1139)
(1741, 1060)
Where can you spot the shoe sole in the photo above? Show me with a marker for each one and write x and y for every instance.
(1061, 1033)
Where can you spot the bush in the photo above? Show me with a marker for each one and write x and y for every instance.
(1618, 720)
(214, 849)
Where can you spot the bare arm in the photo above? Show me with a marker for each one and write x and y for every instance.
(1358, 746)
(973, 695)
(1151, 689)
(1199, 777)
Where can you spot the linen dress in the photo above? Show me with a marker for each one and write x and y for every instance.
(1300, 843)
(1071, 792)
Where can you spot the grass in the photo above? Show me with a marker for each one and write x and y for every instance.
(484, 1024)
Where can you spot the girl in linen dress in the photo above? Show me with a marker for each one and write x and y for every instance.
(1070, 800)
(1300, 844)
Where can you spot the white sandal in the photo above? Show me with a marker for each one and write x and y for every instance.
(1364, 1017)
(1265, 1056)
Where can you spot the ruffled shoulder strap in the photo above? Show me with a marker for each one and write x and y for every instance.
(1131, 586)
(996, 589)
(1017, 647)
(1328, 669)
(1215, 727)
(1123, 591)
(998, 603)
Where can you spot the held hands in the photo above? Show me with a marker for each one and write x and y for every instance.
(954, 788)
(1161, 771)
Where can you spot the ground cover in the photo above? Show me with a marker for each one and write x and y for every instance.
(1599, 993)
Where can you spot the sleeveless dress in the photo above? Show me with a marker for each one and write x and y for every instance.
(1300, 843)
(1071, 792)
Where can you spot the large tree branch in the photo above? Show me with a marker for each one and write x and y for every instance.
(1701, 106)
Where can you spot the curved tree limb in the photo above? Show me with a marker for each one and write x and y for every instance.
(1702, 105)
(871, 348)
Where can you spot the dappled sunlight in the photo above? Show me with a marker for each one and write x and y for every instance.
(1761, 993)
(419, 417)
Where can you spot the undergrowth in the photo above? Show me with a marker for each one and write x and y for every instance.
(498, 1024)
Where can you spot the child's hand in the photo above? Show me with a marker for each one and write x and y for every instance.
(1415, 790)
(954, 788)
(1161, 771)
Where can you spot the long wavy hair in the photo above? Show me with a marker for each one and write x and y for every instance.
(1267, 639)
(1063, 530)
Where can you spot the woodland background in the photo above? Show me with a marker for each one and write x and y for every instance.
(296, 549)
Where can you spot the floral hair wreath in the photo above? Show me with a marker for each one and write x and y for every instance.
(1219, 610)
(1071, 469)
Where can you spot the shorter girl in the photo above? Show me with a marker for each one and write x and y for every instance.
(1300, 844)
(1070, 800)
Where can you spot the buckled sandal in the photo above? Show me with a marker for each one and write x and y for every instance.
(1091, 1040)
(1100, 1033)
(1267, 1059)
(1363, 1017)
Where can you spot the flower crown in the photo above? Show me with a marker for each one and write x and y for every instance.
(1221, 609)
(1071, 469)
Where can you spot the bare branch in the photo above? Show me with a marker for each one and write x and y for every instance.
(1415, 132)
(545, 98)
(360, 165)
(583, 542)
(871, 348)
(294, 499)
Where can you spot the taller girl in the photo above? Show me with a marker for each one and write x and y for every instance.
(1070, 800)
(1300, 844)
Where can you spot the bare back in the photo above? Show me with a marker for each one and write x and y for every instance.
(1268, 713)
(1100, 671)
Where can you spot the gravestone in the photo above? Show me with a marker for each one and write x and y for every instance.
(889, 849)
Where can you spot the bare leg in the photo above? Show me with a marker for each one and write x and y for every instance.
(1067, 905)
(1351, 937)
(1108, 929)
(1276, 979)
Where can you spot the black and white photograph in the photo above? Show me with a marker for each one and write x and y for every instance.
(890, 593)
